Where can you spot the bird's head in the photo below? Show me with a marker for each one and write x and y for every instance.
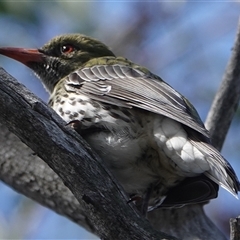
(59, 57)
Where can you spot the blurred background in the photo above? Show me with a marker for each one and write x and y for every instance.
(187, 43)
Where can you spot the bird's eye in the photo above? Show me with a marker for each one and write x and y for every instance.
(67, 48)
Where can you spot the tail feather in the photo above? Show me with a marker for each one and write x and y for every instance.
(220, 171)
(191, 191)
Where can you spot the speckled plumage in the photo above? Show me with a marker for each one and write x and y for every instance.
(148, 134)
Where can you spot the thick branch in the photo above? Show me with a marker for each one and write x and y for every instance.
(29, 175)
(72, 159)
(189, 222)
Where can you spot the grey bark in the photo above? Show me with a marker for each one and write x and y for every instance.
(188, 223)
(235, 228)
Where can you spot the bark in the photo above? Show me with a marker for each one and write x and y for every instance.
(91, 197)
(235, 228)
(26, 173)
(188, 223)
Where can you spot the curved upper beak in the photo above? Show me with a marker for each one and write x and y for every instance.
(22, 55)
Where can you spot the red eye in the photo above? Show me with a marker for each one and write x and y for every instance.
(67, 48)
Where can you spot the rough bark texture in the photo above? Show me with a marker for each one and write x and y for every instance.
(99, 205)
(235, 228)
(21, 169)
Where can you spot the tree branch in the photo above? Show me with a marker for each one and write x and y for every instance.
(235, 228)
(227, 98)
(29, 175)
(71, 158)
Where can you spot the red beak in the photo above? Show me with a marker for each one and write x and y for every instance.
(22, 55)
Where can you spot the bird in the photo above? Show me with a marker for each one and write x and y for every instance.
(149, 135)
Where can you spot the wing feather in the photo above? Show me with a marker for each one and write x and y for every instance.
(221, 171)
(135, 88)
